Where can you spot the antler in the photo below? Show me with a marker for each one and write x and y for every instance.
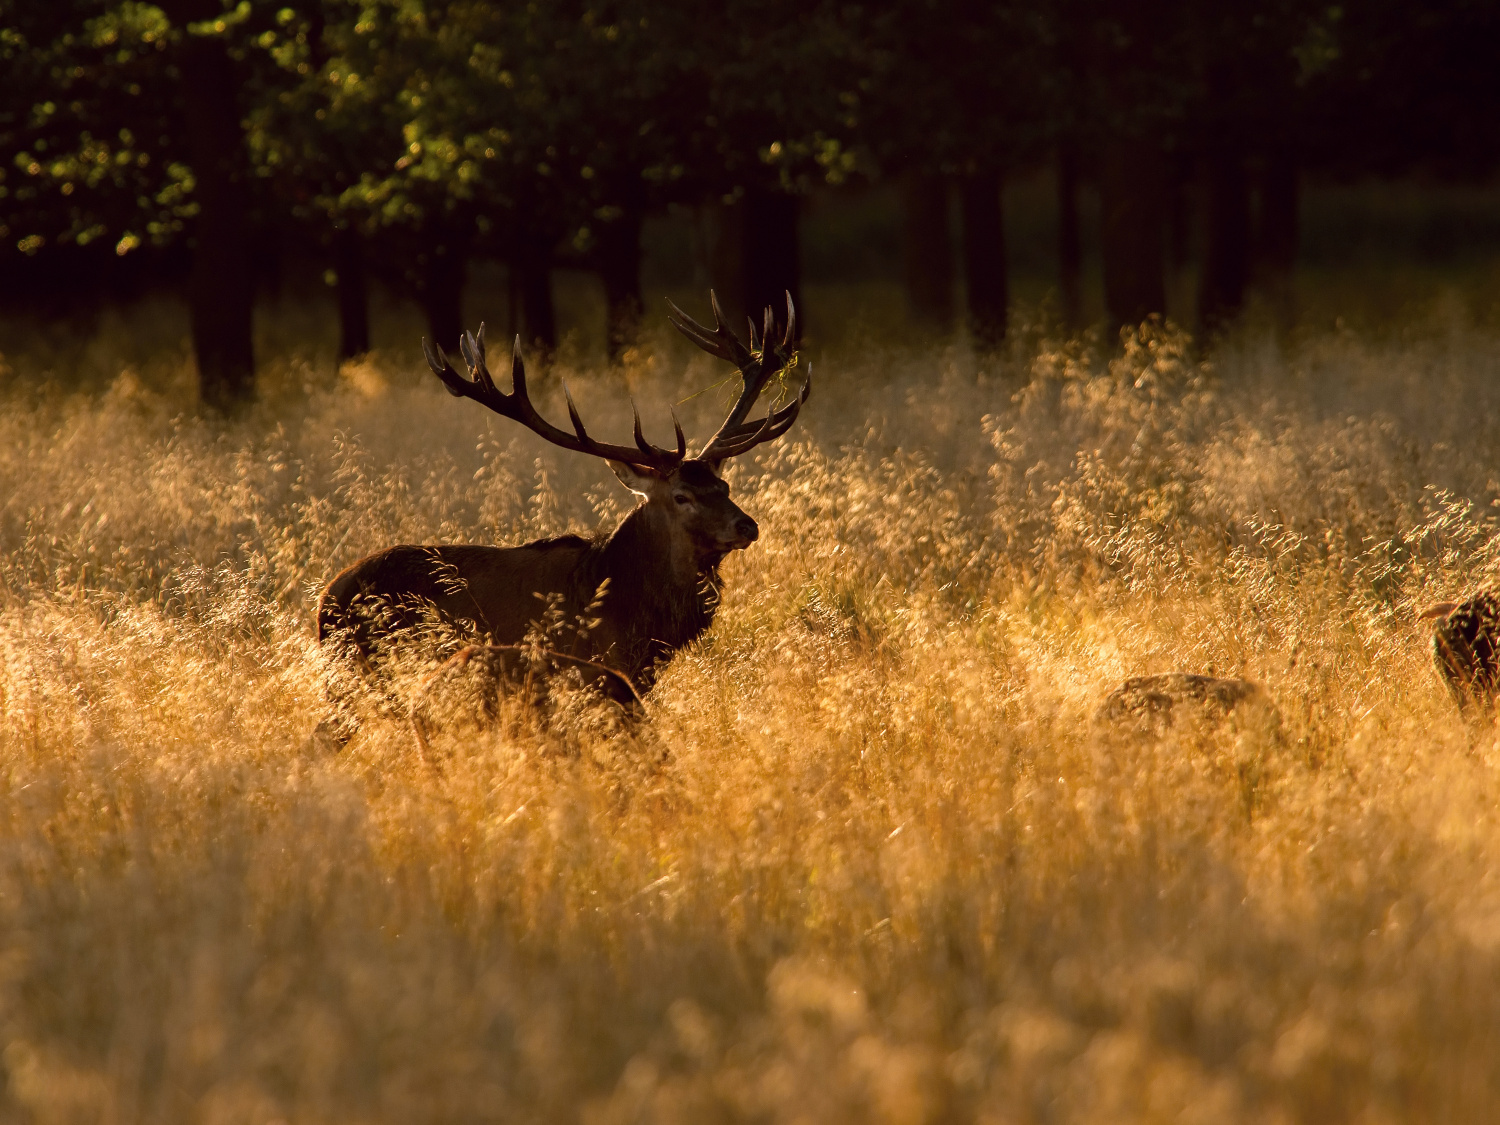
(765, 357)
(516, 406)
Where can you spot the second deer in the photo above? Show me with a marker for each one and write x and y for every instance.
(628, 600)
(1466, 649)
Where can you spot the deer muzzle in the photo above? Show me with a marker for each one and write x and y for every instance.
(743, 532)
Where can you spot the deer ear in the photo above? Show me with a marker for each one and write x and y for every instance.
(639, 481)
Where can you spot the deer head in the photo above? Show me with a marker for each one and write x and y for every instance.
(682, 495)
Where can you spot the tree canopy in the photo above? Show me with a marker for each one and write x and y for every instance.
(428, 133)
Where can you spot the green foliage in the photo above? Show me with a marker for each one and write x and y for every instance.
(88, 129)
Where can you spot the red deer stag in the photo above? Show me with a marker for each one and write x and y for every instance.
(628, 600)
(1466, 649)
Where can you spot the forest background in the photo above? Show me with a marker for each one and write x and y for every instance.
(1126, 158)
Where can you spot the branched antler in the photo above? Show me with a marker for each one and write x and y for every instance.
(766, 356)
(517, 406)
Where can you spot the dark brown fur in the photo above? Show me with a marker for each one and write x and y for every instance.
(1466, 650)
(1155, 699)
(659, 573)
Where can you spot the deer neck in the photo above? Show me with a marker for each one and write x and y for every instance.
(649, 555)
(662, 592)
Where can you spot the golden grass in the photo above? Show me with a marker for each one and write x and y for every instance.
(869, 861)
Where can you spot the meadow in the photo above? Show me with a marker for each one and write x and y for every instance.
(870, 859)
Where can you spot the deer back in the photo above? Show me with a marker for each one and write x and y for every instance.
(497, 593)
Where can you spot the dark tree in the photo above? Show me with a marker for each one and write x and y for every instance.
(352, 277)
(1277, 233)
(1396, 87)
(132, 138)
(322, 135)
(1069, 236)
(953, 97)
(1128, 84)
(1226, 258)
(221, 293)
(779, 107)
(927, 248)
(1245, 123)
(618, 252)
(985, 277)
(92, 165)
(771, 258)
(1131, 183)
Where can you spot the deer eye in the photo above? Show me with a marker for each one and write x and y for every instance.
(683, 499)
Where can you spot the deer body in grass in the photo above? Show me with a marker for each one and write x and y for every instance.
(628, 600)
(476, 681)
(1466, 649)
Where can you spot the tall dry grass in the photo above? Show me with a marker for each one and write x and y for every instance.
(869, 860)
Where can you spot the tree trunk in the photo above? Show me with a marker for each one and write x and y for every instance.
(928, 249)
(533, 271)
(1278, 213)
(721, 248)
(1226, 249)
(1278, 235)
(770, 253)
(353, 292)
(1130, 191)
(268, 261)
(1179, 214)
(445, 265)
(984, 257)
(1069, 238)
(222, 283)
(512, 300)
(620, 269)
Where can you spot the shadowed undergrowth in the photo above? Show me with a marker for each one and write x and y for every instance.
(869, 860)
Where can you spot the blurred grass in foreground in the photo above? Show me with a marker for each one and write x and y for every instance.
(886, 871)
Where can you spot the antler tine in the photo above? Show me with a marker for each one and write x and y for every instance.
(473, 348)
(721, 323)
(755, 337)
(576, 419)
(640, 434)
(767, 432)
(744, 429)
(787, 341)
(437, 359)
(517, 368)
